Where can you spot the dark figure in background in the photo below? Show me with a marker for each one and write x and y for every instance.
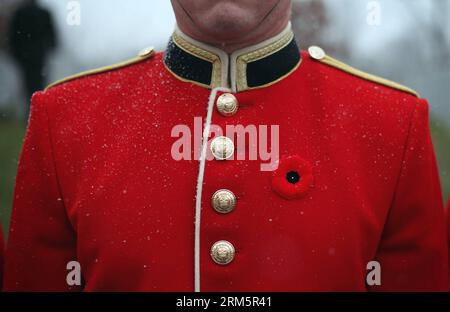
(32, 37)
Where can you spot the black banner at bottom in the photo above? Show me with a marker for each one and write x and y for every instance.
(219, 301)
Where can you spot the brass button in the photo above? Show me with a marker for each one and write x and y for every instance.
(223, 252)
(227, 105)
(223, 201)
(222, 148)
(317, 53)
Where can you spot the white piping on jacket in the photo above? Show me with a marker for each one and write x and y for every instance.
(201, 174)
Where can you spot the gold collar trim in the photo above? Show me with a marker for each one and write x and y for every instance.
(253, 67)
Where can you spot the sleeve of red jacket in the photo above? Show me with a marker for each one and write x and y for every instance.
(1, 256)
(413, 249)
(448, 220)
(41, 240)
(448, 228)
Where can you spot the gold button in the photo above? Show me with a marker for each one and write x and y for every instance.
(317, 53)
(146, 52)
(227, 105)
(223, 201)
(222, 148)
(223, 252)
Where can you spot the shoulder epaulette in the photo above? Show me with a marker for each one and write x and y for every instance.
(143, 55)
(319, 54)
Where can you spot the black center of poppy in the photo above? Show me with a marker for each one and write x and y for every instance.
(293, 177)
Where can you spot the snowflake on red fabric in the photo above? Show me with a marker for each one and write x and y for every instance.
(293, 178)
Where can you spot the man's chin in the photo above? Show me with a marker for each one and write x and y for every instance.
(226, 32)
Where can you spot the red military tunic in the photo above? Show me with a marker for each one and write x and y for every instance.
(1, 256)
(448, 224)
(448, 215)
(356, 181)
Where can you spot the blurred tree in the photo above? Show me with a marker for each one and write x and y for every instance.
(426, 45)
(311, 22)
(434, 27)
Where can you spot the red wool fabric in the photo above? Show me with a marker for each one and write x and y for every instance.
(97, 184)
(448, 224)
(2, 249)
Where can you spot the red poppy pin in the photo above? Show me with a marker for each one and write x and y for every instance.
(293, 178)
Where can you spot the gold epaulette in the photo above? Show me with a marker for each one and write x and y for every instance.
(143, 55)
(319, 54)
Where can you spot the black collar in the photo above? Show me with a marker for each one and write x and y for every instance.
(250, 68)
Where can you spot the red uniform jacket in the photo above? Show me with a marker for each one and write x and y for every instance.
(356, 182)
(448, 224)
(1, 257)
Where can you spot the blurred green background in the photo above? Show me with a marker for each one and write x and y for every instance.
(11, 138)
